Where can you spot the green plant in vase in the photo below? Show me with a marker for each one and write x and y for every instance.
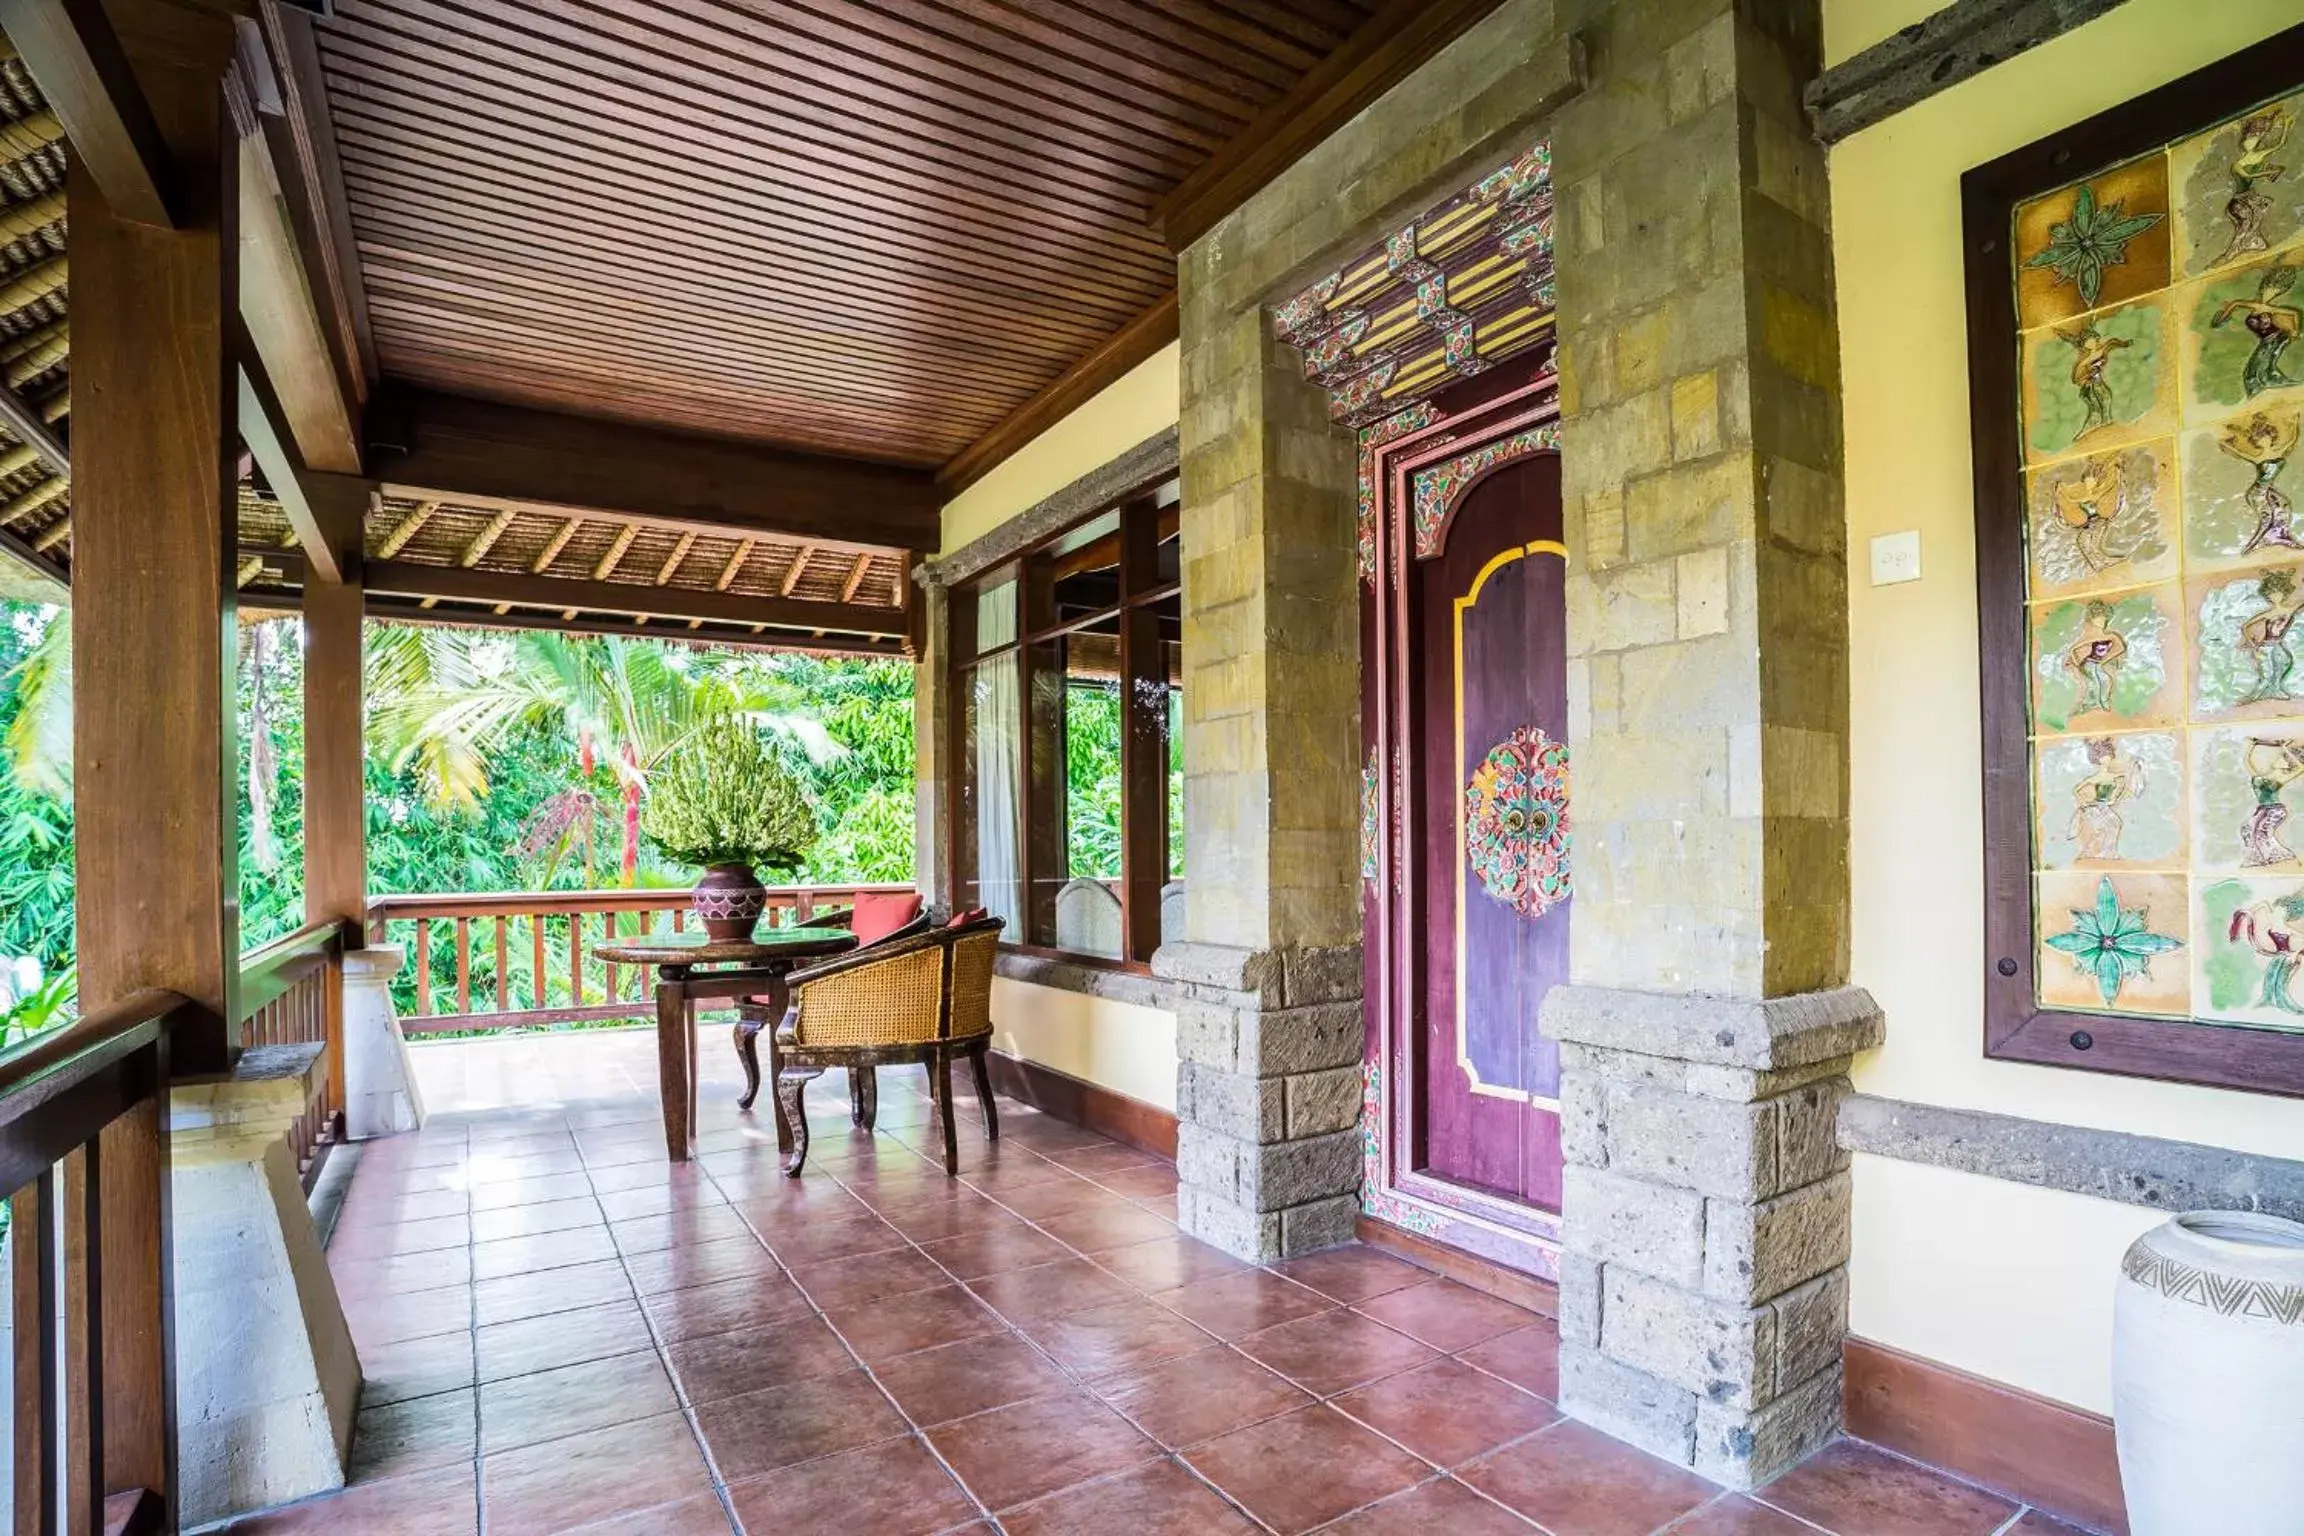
(726, 801)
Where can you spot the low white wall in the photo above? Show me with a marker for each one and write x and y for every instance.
(1125, 1047)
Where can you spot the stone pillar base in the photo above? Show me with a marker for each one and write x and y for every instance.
(267, 1381)
(1705, 1220)
(380, 1097)
(1269, 1045)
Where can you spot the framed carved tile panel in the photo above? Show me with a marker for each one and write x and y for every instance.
(2136, 302)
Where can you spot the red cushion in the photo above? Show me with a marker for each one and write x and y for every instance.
(881, 913)
(972, 915)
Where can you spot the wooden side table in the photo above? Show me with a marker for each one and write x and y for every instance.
(694, 968)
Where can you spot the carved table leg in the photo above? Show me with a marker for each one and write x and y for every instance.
(672, 1065)
(794, 1115)
(748, 1056)
(978, 1059)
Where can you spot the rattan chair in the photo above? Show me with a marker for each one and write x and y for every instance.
(924, 999)
(750, 1021)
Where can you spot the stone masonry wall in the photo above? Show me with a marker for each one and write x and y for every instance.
(1271, 1027)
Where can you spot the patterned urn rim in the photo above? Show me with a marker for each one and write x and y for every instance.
(2227, 1295)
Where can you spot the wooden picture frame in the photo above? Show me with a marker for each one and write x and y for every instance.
(2171, 1047)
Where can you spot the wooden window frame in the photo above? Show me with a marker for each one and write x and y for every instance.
(1142, 515)
(2016, 1028)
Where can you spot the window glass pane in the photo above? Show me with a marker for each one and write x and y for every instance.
(988, 869)
(1076, 795)
(996, 615)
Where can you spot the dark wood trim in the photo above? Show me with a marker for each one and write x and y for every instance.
(2015, 1028)
(316, 202)
(1387, 49)
(1132, 1122)
(280, 282)
(1139, 339)
(709, 632)
(2044, 1453)
(431, 445)
(19, 549)
(1132, 473)
(406, 578)
(77, 60)
(1522, 1290)
(326, 511)
(25, 425)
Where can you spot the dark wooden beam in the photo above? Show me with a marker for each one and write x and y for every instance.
(459, 449)
(744, 636)
(304, 138)
(407, 578)
(20, 551)
(1386, 50)
(24, 424)
(326, 511)
(286, 329)
(1130, 345)
(79, 65)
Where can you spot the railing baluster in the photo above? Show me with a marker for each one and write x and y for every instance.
(423, 966)
(31, 1362)
(612, 972)
(44, 1257)
(463, 965)
(503, 966)
(536, 979)
(575, 958)
(83, 1218)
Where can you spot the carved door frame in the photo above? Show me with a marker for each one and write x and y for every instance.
(1415, 468)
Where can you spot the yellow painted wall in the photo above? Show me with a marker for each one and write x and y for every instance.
(2010, 1283)
(1120, 1046)
(1132, 408)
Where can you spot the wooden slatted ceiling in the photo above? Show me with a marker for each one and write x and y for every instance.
(871, 227)
(35, 323)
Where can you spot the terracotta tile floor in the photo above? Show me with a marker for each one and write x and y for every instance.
(564, 1333)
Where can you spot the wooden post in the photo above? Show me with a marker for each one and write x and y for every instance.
(154, 447)
(335, 810)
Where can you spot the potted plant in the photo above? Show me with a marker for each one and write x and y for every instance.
(725, 800)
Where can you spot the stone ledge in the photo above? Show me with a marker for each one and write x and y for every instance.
(1763, 1034)
(1239, 977)
(1090, 981)
(2108, 1165)
(1148, 461)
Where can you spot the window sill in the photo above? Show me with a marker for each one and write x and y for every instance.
(1119, 981)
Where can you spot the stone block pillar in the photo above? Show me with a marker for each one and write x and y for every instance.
(1270, 1024)
(1703, 1276)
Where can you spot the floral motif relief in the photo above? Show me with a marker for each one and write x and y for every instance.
(1371, 829)
(1516, 822)
(1439, 487)
(1391, 429)
(1375, 1200)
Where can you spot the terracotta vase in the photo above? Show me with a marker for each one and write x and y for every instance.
(2208, 1376)
(729, 900)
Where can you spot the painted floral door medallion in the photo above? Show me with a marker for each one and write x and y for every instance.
(2162, 392)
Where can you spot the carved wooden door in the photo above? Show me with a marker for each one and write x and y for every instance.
(1471, 897)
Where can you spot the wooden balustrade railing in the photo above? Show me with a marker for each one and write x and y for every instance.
(292, 993)
(535, 962)
(83, 1143)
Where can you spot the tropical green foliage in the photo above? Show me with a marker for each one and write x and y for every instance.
(493, 763)
(725, 796)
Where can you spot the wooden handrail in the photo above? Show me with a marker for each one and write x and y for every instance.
(135, 1015)
(269, 972)
(560, 903)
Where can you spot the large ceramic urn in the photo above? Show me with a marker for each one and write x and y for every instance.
(729, 901)
(2208, 1377)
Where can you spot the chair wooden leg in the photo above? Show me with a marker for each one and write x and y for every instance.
(748, 1056)
(776, 1097)
(856, 1096)
(788, 1091)
(980, 1059)
(870, 1077)
(942, 1067)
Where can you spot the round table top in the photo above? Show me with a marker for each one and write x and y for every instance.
(765, 946)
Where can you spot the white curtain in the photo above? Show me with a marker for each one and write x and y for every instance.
(999, 726)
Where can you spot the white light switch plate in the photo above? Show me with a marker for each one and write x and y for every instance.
(1896, 558)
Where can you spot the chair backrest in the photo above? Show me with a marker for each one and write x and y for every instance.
(890, 993)
(972, 949)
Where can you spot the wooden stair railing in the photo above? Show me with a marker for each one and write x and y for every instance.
(535, 964)
(83, 1143)
(292, 993)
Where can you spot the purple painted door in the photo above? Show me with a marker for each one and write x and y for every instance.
(1489, 733)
